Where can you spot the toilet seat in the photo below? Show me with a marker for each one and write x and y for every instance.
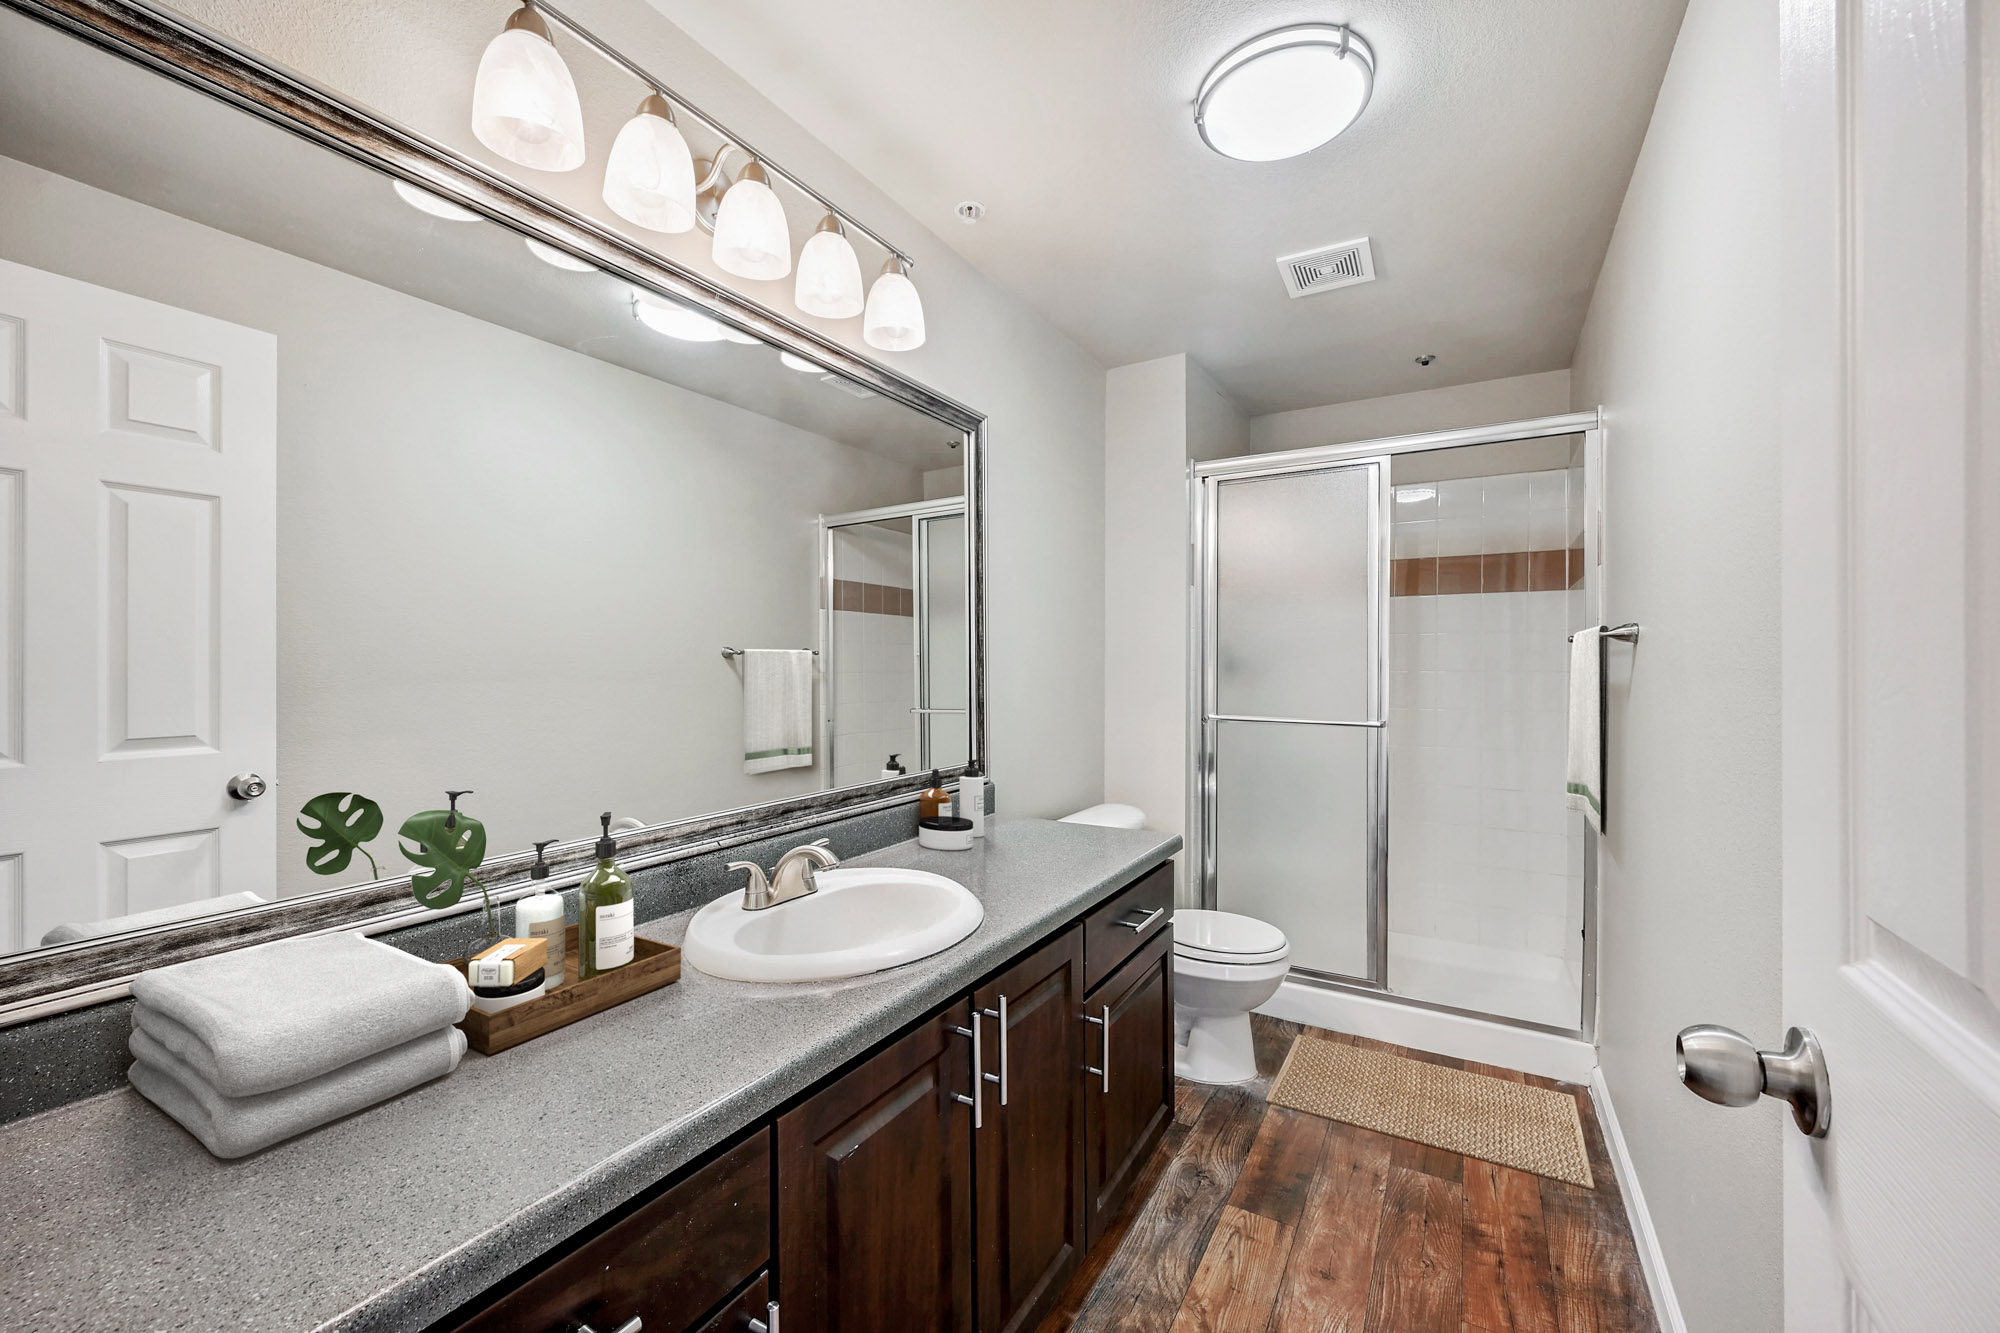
(1227, 938)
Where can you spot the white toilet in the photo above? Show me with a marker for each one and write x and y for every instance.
(1225, 965)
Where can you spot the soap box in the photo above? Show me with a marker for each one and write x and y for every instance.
(507, 960)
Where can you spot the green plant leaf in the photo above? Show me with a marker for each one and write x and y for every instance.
(341, 822)
(448, 855)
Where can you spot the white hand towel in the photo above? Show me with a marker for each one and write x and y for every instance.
(1585, 775)
(777, 709)
(253, 1020)
(234, 1126)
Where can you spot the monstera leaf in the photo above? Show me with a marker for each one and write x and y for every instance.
(449, 845)
(341, 822)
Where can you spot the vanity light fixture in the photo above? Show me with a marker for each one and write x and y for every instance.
(524, 104)
(555, 258)
(1285, 93)
(649, 180)
(829, 283)
(751, 237)
(436, 205)
(894, 320)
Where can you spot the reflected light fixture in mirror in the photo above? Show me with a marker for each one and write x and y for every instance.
(675, 320)
(1285, 93)
(751, 238)
(829, 282)
(649, 180)
(436, 205)
(555, 258)
(524, 104)
(894, 321)
(792, 361)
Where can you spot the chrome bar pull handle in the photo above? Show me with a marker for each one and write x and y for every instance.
(1103, 1071)
(1139, 927)
(1000, 1015)
(978, 1074)
(1725, 1067)
(768, 1324)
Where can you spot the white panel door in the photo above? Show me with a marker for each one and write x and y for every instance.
(137, 604)
(1891, 602)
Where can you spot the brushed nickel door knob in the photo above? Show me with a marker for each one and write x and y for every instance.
(247, 786)
(1725, 1067)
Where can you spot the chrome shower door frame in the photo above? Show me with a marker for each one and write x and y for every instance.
(1204, 479)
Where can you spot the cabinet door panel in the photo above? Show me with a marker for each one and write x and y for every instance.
(875, 1191)
(1133, 1040)
(1029, 1153)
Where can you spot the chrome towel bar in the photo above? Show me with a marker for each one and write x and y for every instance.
(738, 652)
(1629, 631)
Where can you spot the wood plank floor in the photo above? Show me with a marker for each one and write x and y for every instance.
(1253, 1218)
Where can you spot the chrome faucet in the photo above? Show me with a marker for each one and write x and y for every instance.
(792, 878)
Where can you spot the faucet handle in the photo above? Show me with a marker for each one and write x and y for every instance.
(759, 886)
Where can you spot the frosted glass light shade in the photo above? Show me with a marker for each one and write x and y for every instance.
(676, 320)
(751, 238)
(555, 258)
(524, 103)
(649, 180)
(434, 204)
(829, 282)
(791, 361)
(1285, 93)
(894, 320)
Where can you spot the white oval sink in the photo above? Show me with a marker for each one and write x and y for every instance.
(861, 920)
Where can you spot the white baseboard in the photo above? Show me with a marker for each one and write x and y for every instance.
(1666, 1307)
(1462, 1038)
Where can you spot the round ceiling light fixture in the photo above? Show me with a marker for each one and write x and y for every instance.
(1285, 93)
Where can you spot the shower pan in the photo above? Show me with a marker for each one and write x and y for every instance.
(1378, 723)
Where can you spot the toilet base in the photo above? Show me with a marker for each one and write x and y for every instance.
(1214, 1048)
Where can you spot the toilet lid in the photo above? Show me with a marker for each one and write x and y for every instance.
(1225, 937)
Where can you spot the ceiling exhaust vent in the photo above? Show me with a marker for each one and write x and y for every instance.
(1332, 266)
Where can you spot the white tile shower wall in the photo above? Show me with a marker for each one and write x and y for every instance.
(1483, 850)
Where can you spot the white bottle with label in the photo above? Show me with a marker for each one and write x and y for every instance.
(604, 917)
(540, 917)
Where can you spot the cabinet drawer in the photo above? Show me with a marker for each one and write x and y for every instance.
(1115, 928)
(754, 1303)
(669, 1261)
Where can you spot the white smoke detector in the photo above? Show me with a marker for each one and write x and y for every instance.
(1311, 272)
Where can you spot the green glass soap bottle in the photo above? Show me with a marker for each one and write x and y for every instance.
(604, 915)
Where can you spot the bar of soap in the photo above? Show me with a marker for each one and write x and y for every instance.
(501, 964)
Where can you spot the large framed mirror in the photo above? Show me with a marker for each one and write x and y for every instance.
(333, 462)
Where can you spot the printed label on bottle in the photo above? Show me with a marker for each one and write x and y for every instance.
(614, 936)
(553, 931)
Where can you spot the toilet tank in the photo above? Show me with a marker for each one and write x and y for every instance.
(1109, 816)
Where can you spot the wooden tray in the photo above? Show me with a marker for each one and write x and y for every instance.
(653, 966)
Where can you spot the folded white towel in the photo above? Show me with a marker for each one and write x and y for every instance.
(777, 709)
(1585, 767)
(234, 1126)
(257, 1019)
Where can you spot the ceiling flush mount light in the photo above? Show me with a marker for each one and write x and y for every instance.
(751, 238)
(524, 103)
(829, 282)
(649, 180)
(555, 258)
(1285, 93)
(894, 319)
(436, 205)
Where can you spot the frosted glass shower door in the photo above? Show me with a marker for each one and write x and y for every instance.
(1292, 759)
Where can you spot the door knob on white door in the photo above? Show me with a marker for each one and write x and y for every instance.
(1724, 1066)
(247, 786)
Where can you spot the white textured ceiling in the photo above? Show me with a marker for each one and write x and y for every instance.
(1488, 170)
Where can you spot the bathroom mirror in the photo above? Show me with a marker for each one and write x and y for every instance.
(314, 480)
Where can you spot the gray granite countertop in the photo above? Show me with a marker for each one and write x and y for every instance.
(115, 1218)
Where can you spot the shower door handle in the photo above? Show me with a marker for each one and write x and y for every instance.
(1725, 1067)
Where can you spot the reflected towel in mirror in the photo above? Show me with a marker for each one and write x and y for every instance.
(777, 709)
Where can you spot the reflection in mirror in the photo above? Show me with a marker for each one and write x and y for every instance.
(311, 482)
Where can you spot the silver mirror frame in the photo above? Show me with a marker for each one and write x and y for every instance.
(88, 972)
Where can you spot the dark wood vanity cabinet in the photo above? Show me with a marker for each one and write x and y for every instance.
(875, 1190)
(1129, 1092)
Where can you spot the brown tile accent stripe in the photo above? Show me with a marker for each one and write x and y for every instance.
(880, 599)
(1508, 571)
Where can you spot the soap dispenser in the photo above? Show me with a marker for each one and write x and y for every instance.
(894, 768)
(935, 801)
(604, 912)
(540, 916)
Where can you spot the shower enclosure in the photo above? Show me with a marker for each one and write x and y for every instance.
(893, 645)
(1379, 712)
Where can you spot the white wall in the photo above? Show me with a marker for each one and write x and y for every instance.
(1043, 396)
(456, 598)
(1678, 346)
(1483, 404)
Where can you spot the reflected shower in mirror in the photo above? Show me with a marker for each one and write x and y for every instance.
(312, 481)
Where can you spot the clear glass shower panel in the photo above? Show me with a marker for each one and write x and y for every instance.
(1294, 595)
(1294, 809)
(942, 641)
